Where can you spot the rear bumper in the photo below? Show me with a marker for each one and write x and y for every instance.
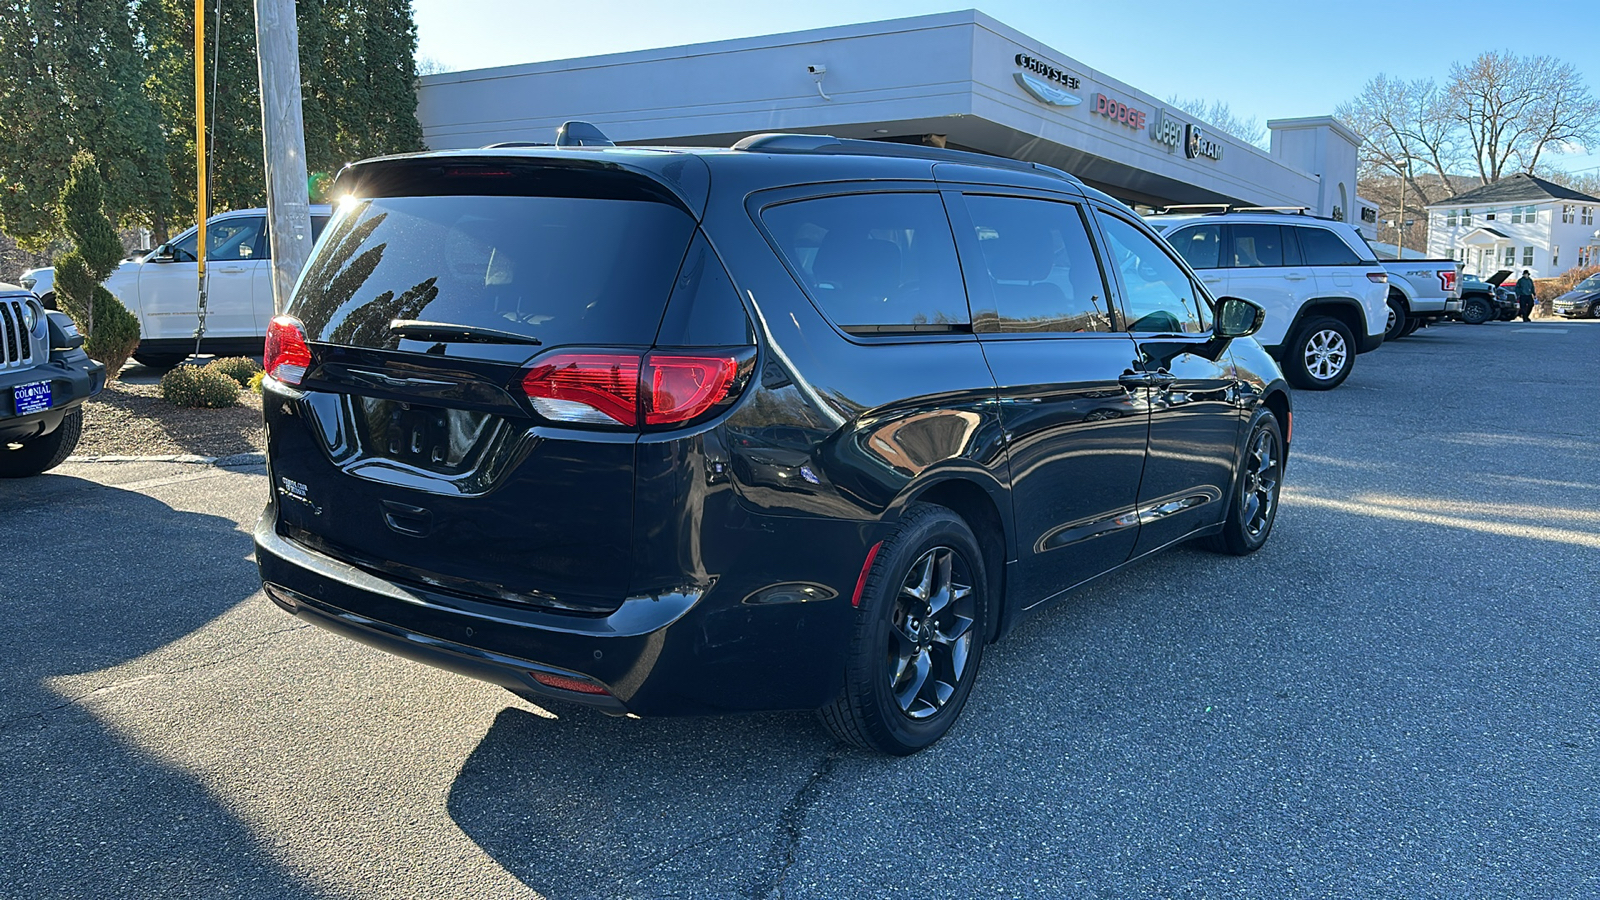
(687, 653)
(70, 385)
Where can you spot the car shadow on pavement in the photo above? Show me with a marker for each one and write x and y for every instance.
(95, 578)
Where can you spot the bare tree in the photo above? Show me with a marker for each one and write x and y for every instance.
(1513, 109)
(1220, 116)
(1406, 132)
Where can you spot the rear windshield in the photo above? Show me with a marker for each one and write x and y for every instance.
(564, 270)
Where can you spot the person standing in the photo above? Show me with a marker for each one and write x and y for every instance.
(1525, 295)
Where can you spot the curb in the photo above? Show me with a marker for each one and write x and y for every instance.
(237, 459)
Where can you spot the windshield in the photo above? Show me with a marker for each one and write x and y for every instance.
(1592, 283)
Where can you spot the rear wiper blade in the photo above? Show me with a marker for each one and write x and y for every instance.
(445, 332)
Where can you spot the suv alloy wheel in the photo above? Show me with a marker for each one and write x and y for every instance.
(1321, 355)
(1476, 311)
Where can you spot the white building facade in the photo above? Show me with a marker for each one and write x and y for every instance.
(961, 80)
(1517, 223)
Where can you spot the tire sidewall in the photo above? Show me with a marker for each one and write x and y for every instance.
(1235, 535)
(867, 676)
(1476, 303)
(1398, 329)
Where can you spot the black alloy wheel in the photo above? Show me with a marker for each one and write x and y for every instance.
(1321, 355)
(1476, 311)
(919, 636)
(1257, 486)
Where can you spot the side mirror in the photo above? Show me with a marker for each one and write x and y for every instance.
(1237, 317)
(162, 254)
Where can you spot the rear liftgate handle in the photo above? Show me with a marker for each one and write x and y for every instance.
(406, 519)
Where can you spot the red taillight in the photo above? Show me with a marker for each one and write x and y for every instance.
(587, 388)
(1447, 279)
(680, 388)
(631, 389)
(1379, 277)
(566, 683)
(287, 356)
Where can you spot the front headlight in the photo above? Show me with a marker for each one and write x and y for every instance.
(30, 317)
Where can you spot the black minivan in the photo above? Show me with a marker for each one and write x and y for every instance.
(799, 424)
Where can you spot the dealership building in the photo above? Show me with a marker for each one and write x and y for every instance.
(960, 80)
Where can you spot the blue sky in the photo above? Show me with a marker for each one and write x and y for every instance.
(1265, 59)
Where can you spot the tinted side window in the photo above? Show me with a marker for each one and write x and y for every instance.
(704, 310)
(1255, 246)
(875, 262)
(1324, 248)
(1200, 246)
(1160, 297)
(228, 239)
(1040, 267)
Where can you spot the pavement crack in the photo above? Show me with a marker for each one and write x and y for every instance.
(791, 827)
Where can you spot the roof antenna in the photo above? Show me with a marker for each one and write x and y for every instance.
(581, 134)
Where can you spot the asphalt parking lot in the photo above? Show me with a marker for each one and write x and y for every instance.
(1398, 697)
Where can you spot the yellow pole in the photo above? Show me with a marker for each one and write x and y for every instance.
(200, 163)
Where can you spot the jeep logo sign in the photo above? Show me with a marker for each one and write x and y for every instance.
(1198, 144)
(1165, 131)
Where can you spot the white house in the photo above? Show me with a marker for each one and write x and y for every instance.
(1517, 223)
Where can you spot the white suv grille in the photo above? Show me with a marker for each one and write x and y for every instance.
(16, 344)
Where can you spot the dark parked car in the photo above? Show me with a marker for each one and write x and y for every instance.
(44, 378)
(1485, 300)
(1582, 300)
(801, 424)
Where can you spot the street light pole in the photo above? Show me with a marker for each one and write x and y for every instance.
(1400, 220)
(284, 144)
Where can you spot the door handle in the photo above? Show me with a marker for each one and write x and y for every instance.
(230, 270)
(1131, 379)
(1292, 277)
(407, 519)
(1216, 280)
(1162, 378)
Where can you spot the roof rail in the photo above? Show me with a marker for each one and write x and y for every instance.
(503, 145)
(1286, 210)
(1185, 207)
(777, 142)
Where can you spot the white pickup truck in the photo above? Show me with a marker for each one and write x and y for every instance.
(1421, 291)
(161, 288)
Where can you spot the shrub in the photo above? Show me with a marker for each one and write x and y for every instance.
(199, 386)
(115, 335)
(255, 381)
(240, 368)
(110, 332)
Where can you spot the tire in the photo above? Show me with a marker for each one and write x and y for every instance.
(1397, 321)
(1258, 484)
(1594, 311)
(918, 638)
(1321, 355)
(159, 360)
(1412, 326)
(1476, 311)
(42, 454)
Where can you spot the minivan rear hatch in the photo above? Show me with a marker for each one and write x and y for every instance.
(415, 451)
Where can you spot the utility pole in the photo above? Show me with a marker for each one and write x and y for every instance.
(1400, 220)
(284, 137)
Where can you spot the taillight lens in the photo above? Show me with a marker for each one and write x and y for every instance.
(634, 389)
(680, 388)
(287, 355)
(1379, 277)
(586, 388)
(1447, 279)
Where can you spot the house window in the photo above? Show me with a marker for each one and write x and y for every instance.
(1450, 217)
(1516, 215)
(1527, 256)
(1566, 213)
(1466, 217)
(1461, 254)
(1511, 256)
(1588, 215)
(1555, 255)
(1530, 214)
(1584, 257)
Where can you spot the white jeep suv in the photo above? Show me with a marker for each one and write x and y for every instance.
(1324, 291)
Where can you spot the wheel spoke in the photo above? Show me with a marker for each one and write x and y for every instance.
(924, 586)
(957, 630)
(907, 694)
(1252, 505)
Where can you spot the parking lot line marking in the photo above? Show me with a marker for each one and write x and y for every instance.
(1542, 330)
(170, 479)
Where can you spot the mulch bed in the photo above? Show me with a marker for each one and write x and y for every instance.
(133, 420)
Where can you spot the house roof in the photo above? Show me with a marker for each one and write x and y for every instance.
(1519, 187)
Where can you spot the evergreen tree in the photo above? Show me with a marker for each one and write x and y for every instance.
(112, 332)
(71, 78)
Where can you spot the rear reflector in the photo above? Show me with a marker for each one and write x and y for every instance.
(586, 388)
(566, 683)
(1379, 277)
(286, 356)
(866, 569)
